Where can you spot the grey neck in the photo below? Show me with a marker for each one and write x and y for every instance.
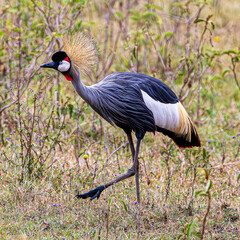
(83, 91)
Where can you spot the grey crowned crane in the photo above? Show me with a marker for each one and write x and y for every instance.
(132, 101)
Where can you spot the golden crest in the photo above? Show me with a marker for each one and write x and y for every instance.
(82, 51)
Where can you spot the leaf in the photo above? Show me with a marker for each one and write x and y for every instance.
(70, 109)
(58, 35)
(187, 170)
(238, 177)
(39, 4)
(110, 200)
(198, 192)
(204, 153)
(197, 161)
(203, 194)
(135, 12)
(197, 234)
(16, 29)
(209, 185)
(124, 205)
(149, 15)
(209, 16)
(213, 26)
(81, 153)
(225, 72)
(82, 2)
(189, 230)
(178, 4)
(152, 6)
(119, 14)
(190, 227)
(199, 20)
(228, 52)
(216, 77)
(204, 172)
(181, 229)
(47, 39)
(168, 34)
(135, 18)
(134, 52)
(126, 63)
(179, 236)
(158, 37)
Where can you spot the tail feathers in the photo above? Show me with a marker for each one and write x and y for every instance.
(182, 141)
(186, 134)
(182, 131)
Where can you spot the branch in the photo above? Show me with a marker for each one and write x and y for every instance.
(155, 47)
(234, 71)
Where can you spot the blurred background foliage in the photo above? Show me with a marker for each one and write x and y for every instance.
(50, 139)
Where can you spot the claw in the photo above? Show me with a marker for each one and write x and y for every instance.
(95, 193)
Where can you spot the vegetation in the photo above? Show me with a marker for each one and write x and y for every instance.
(54, 146)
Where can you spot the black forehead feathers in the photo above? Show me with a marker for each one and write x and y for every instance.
(59, 56)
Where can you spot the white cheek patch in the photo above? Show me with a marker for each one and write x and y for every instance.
(64, 66)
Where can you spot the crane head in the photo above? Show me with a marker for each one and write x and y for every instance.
(61, 62)
(79, 53)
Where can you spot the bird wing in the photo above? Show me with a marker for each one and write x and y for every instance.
(157, 89)
(170, 117)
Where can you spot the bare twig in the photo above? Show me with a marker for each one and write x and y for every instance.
(155, 47)
(226, 164)
(175, 73)
(116, 150)
(107, 17)
(206, 214)
(234, 71)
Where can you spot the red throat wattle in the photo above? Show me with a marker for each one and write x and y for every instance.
(66, 75)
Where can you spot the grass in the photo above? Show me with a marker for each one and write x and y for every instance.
(46, 208)
(53, 146)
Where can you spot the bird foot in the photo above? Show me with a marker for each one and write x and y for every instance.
(95, 193)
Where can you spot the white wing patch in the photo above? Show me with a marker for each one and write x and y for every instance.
(64, 66)
(166, 115)
(170, 116)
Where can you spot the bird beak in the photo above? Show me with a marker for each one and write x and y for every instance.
(50, 65)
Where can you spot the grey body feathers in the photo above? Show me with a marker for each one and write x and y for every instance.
(119, 100)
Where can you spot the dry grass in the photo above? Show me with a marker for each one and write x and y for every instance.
(47, 207)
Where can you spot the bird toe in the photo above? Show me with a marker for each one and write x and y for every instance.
(95, 193)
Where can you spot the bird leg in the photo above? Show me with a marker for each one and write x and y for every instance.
(136, 180)
(129, 135)
(95, 193)
(137, 173)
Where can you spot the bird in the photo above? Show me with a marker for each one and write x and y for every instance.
(135, 102)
